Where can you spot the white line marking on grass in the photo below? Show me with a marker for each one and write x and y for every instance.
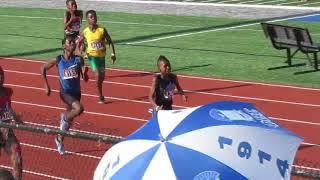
(184, 76)
(197, 92)
(213, 30)
(36, 173)
(280, 119)
(258, 30)
(111, 22)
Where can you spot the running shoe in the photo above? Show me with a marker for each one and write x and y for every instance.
(101, 100)
(63, 122)
(60, 146)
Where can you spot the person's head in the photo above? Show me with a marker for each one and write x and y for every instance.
(71, 5)
(69, 44)
(91, 17)
(5, 174)
(1, 76)
(164, 65)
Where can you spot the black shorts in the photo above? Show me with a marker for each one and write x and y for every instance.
(69, 98)
(165, 105)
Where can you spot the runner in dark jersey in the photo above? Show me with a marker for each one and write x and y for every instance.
(72, 23)
(163, 86)
(69, 71)
(72, 19)
(8, 140)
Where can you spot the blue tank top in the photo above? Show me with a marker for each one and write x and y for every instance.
(69, 74)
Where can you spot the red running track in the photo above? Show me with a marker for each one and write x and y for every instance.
(292, 107)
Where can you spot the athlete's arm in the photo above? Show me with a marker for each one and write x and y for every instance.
(180, 90)
(44, 69)
(110, 43)
(81, 42)
(152, 95)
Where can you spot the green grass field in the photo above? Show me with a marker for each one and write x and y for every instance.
(203, 46)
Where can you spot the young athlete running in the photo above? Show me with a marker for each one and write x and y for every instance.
(70, 68)
(163, 86)
(95, 38)
(8, 140)
(72, 22)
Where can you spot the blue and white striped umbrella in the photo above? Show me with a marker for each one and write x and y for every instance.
(223, 140)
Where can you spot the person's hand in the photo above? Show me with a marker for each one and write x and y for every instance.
(48, 90)
(157, 108)
(113, 58)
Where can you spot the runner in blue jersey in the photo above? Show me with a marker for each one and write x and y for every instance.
(70, 68)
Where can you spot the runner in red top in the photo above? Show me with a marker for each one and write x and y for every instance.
(8, 140)
(72, 23)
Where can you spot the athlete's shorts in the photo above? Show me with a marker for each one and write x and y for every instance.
(165, 105)
(69, 98)
(97, 63)
(73, 34)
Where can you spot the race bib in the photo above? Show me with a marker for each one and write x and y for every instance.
(70, 73)
(97, 45)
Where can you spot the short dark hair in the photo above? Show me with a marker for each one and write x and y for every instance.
(93, 12)
(162, 58)
(69, 37)
(67, 2)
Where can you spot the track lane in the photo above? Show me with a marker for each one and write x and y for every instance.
(266, 97)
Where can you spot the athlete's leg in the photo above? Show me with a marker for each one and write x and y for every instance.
(98, 66)
(100, 79)
(74, 108)
(13, 149)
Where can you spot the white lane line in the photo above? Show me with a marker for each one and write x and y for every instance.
(144, 120)
(55, 150)
(184, 76)
(190, 91)
(57, 127)
(88, 112)
(295, 121)
(89, 95)
(37, 173)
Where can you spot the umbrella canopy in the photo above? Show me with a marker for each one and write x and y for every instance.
(222, 140)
